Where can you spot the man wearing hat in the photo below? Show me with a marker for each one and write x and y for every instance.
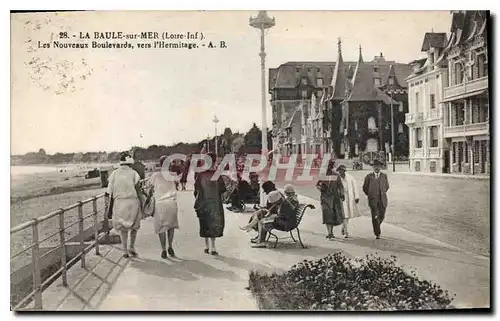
(375, 187)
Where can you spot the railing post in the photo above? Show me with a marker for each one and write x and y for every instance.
(37, 277)
(96, 229)
(63, 247)
(106, 220)
(80, 231)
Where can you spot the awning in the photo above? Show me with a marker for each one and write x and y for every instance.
(464, 95)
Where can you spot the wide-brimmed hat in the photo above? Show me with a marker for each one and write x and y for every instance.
(341, 166)
(274, 196)
(126, 159)
(377, 162)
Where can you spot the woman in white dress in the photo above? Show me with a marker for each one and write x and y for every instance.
(351, 198)
(124, 190)
(165, 213)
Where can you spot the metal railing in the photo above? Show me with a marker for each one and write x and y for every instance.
(38, 285)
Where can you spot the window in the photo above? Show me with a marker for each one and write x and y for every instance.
(454, 153)
(433, 167)
(419, 137)
(391, 80)
(417, 105)
(433, 101)
(417, 166)
(375, 68)
(371, 123)
(466, 153)
(355, 125)
(376, 81)
(459, 73)
(320, 81)
(304, 94)
(476, 152)
(400, 106)
(297, 69)
(400, 128)
(434, 136)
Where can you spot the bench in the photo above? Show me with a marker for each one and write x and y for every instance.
(299, 212)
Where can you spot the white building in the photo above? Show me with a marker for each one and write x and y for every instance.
(427, 146)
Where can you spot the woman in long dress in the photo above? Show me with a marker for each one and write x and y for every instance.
(351, 198)
(124, 189)
(332, 194)
(208, 206)
(165, 214)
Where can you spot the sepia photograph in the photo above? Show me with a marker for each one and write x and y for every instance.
(320, 160)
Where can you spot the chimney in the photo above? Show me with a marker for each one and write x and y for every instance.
(381, 55)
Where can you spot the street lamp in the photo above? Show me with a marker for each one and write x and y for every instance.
(262, 22)
(216, 121)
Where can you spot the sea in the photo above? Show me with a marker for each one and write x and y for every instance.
(23, 170)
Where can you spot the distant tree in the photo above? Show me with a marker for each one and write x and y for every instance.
(237, 144)
(77, 158)
(41, 152)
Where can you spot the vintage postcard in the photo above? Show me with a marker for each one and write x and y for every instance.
(250, 161)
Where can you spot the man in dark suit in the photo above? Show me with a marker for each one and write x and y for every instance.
(375, 187)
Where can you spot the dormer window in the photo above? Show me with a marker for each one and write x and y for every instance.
(320, 81)
(304, 94)
(376, 81)
(375, 68)
(304, 81)
(297, 69)
(391, 80)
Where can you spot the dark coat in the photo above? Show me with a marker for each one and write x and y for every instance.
(376, 190)
(332, 194)
(208, 204)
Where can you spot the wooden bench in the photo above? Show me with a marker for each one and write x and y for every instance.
(299, 212)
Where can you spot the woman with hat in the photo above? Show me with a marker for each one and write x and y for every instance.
(124, 190)
(332, 195)
(351, 198)
(165, 208)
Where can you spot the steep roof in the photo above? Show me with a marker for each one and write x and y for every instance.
(289, 74)
(339, 78)
(363, 81)
(434, 40)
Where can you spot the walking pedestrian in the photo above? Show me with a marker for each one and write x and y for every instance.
(124, 190)
(165, 209)
(375, 187)
(208, 206)
(185, 173)
(351, 198)
(332, 195)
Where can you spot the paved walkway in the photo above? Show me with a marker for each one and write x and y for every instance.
(197, 281)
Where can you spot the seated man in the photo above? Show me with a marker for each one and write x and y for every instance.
(284, 220)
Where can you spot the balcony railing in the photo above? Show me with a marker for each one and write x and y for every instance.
(468, 130)
(468, 86)
(413, 117)
(434, 113)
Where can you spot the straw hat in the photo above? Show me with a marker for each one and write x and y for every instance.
(274, 196)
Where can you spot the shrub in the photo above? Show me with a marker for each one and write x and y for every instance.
(336, 282)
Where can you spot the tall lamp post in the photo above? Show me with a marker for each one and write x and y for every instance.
(263, 22)
(216, 121)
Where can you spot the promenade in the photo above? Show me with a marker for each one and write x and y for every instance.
(198, 281)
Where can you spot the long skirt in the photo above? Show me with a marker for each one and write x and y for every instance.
(332, 210)
(165, 216)
(211, 223)
(126, 214)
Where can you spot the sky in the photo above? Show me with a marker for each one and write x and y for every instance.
(79, 100)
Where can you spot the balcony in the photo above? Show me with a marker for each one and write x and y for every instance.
(471, 86)
(467, 130)
(433, 114)
(411, 118)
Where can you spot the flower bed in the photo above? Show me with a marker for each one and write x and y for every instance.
(339, 283)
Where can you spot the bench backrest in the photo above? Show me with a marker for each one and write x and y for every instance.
(299, 212)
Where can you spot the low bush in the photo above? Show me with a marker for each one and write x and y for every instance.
(336, 282)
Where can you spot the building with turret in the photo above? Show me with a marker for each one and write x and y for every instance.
(340, 107)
